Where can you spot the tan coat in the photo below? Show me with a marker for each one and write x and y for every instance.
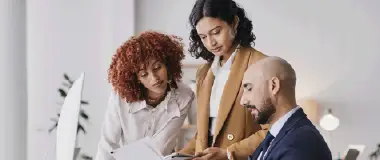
(235, 130)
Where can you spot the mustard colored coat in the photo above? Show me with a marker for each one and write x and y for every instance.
(235, 129)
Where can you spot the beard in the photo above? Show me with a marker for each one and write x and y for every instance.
(268, 109)
(264, 116)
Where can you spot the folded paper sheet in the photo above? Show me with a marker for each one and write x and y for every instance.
(142, 149)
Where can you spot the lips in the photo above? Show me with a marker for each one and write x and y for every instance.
(157, 84)
(216, 49)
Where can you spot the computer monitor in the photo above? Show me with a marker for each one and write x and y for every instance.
(68, 122)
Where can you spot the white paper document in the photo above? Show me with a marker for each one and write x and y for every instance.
(142, 149)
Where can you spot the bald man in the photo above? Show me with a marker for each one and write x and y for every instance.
(269, 94)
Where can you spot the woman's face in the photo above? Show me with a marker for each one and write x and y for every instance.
(154, 77)
(216, 35)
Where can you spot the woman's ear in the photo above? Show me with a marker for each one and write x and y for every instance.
(236, 23)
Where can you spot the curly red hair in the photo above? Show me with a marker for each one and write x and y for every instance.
(129, 57)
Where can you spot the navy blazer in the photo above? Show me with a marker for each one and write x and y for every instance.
(297, 140)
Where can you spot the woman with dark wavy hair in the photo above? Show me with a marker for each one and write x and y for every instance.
(148, 99)
(222, 35)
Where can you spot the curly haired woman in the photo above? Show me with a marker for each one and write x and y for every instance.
(148, 98)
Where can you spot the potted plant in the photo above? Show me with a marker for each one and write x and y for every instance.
(63, 90)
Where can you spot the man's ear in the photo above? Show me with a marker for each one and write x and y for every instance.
(274, 85)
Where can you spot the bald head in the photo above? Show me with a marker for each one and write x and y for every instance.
(271, 68)
(268, 83)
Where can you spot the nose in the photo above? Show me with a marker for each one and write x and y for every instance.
(211, 41)
(154, 77)
(243, 101)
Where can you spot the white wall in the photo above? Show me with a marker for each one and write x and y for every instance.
(167, 16)
(13, 97)
(72, 37)
(333, 45)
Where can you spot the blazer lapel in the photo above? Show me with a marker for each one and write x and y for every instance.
(256, 154)
(232, 87)
(203, 105)
(297, 116)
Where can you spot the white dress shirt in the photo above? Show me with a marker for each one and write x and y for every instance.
(277, 126)
(221, 74)
(126, 122)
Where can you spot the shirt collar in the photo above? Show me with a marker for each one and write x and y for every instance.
(215, 66)
(277, 126)
(138, 106)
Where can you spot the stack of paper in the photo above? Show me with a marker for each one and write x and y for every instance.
(144, 149)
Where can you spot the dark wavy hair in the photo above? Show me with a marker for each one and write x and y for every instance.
(137, 51)
(225, 10)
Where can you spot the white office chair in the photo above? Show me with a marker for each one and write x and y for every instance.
(67, 124)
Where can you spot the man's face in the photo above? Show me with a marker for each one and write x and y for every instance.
(257, 96)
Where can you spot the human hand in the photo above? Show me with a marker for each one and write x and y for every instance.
(213, 153)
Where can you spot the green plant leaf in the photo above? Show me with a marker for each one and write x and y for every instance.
(68, 78)
(83, 114)
(51, 129)
(84, 102)
(86, 157)
(62, 92)
(81, 128)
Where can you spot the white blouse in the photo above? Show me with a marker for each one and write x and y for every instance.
(221, 74)
(126, 122)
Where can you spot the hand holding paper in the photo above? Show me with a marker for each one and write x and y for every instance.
(179, 156)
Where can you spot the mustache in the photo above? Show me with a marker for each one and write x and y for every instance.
(250, 106)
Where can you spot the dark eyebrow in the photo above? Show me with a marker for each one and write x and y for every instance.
(217, 27)
(156, 61)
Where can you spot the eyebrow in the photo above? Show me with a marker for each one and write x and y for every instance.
(156, 61)
(217, 27)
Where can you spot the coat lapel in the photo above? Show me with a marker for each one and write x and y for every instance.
(256, 154)
(232, 87)
(203, 105)
(297, 116)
